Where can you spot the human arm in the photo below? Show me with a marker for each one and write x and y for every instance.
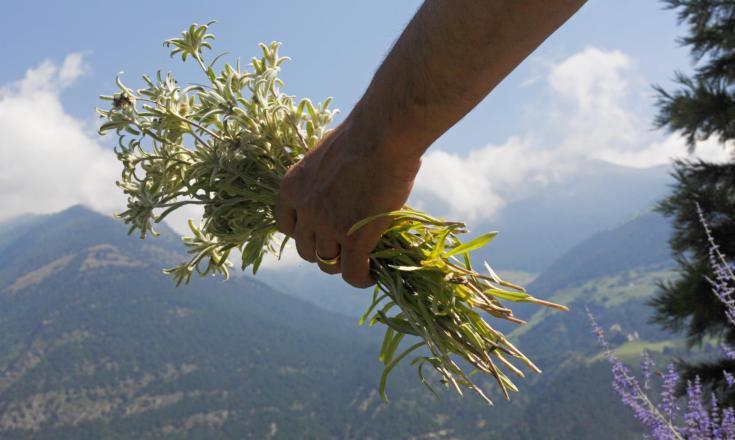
(449, 57)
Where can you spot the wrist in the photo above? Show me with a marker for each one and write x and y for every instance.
(380, 140)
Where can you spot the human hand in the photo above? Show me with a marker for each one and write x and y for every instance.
(344, 179)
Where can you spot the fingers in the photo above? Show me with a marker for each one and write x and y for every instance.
(305, 241)
(356, 251)
(356, 256)
(356, 267)
(285, 217)
(354, 263)
(327, 250)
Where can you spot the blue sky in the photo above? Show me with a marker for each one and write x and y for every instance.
(335, 46)
(584, 94)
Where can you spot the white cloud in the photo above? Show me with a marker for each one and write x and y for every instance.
(48, 161)
(290, 259)
(590, 100)
(72, 69)
(179, 219)
(665, 151)
(592, 77)
(471, 186)
(597, 106)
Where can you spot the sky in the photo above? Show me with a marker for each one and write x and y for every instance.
(585, 94)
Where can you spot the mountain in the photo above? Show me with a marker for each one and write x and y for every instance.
(535, 231)
(613, 273)
(15, 226)
(96, 343)
(639, 243)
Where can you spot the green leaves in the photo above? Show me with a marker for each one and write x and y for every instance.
(192, 41)
(507, 294)
(224, 145)
(389, 367)
(472, 245)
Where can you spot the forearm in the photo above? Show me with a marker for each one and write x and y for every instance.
(450, 56)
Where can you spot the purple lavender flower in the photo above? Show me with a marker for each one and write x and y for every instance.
(647, 365)
(715, 419)
(699, 420)
(729, 379)
(668, 403)
(727, 425)
(696, 417)
(729, 352)
(723, 283)
(631, 393)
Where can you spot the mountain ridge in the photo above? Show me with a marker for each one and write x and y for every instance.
(104, 346)
(534, 231)
(550, 222)
(640, 242)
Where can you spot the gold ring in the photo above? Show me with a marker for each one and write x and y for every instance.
(327, 261)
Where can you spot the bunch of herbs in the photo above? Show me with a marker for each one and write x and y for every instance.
(226, 144)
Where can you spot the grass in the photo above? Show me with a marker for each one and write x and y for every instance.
(631, 351)
(610, 291)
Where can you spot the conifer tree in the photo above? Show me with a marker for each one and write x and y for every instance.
(702, 106)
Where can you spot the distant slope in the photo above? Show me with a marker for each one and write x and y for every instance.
(537, 230)
(641, 242)
(613, 273)
(10, 228)
(96, 343)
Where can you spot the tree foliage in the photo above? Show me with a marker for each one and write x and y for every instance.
(701, 107)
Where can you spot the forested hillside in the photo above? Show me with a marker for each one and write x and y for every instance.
(96, 343)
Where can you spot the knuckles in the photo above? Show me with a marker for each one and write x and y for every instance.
(304, 252)
(357, 280)
(284, 226)
(331, 270)
(305, 255)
